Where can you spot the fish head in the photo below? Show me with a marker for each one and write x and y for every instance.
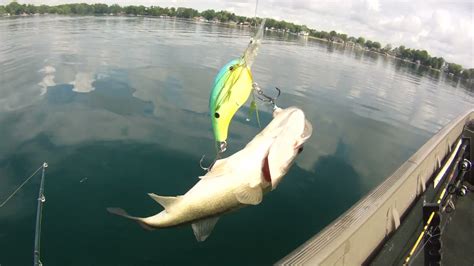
(230, 91)
(289, 130)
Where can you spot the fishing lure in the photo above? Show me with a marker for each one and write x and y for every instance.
(231, 89)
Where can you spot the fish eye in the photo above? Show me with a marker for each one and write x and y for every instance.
(217, 115)
(300, 149)
(231, 68)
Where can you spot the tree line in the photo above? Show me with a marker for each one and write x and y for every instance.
(421, 57)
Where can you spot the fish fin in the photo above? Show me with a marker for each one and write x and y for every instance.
(145, 226)
(255, 182)
(166, 202)
(249, 195)
(203, 228)
(123, 213)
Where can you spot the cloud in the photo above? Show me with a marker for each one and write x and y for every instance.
(402, 23)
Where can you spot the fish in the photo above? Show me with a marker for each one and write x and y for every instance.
(239, 180)
(231, 89)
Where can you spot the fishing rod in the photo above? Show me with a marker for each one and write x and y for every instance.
(39, 211)
(39, 214)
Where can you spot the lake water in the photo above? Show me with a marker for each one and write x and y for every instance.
(118, 108)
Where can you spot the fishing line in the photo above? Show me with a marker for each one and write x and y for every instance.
(255, 16)
(18, 189)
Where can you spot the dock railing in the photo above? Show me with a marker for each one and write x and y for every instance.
(354, 236)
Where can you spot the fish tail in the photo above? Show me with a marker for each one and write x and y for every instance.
(123, 213)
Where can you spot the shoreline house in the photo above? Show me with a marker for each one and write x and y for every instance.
(303, 33)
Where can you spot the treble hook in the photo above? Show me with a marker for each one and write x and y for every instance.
(207, 169)
(222, 147)
(265, 98)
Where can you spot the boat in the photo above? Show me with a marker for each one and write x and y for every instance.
(422, 214)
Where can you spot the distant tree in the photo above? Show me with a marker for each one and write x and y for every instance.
(166, 12)
(172, 12)
(43, 9)
(296, 28)
(433, 63)
(422, 56)
(14, 8)
(208, 14)
(405, 53)
(376, 45)
(241, 19)
(100, 9)
(142, 10)
(440, 62)
(352, 39)
(67, 9)
(156, 11)
(30, 9)
(232, 17)
(224, 16)
(325, 35)
(402, 52)
(115, 9)
(190, 13)
(270, 23)
(343, 37)
(387, 48)
(454, 69)
(131, 10)
(52, 10)
(401, 49)
(468, 74)
(368, 44)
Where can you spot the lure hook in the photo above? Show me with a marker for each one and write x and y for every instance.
(207, 169)
(265, 98)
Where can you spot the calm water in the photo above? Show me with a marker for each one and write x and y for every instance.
(118, 108)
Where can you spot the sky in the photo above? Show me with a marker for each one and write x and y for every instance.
(444, 28)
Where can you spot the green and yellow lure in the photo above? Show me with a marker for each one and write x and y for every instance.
(231, 89)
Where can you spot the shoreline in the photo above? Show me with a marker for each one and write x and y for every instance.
(418, 56)
(248, 26)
